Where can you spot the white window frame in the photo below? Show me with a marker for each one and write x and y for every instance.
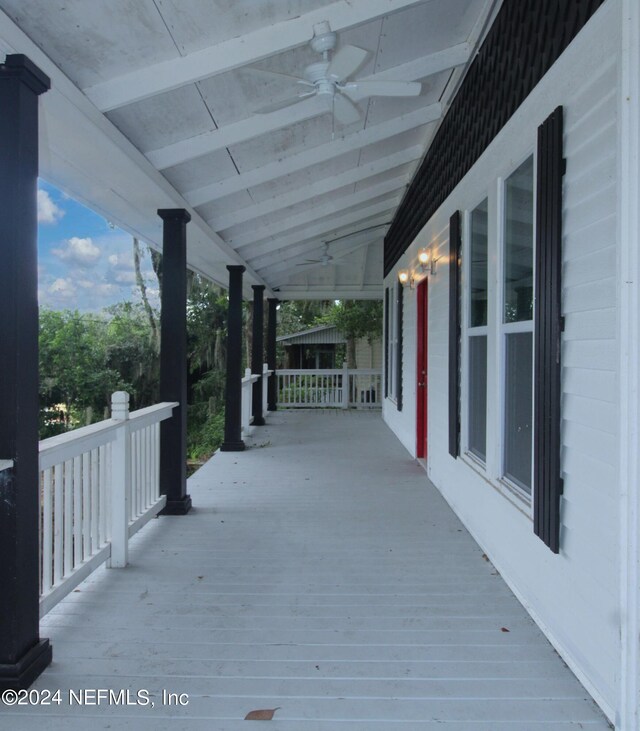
(506, 328)
(469, 332)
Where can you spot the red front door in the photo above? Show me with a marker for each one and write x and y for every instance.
(422, 389)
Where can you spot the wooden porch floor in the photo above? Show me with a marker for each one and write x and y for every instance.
(321, 574)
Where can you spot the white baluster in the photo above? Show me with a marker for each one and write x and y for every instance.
(68, 517)
(58, 511)
(47, 558)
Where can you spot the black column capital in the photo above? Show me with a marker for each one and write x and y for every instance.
(258, 288)
(237, 268)
(17, 65)
(174, 214)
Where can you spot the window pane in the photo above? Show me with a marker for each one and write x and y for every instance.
(478, 396)
(479, 265)
(518, 244)
(518, 408)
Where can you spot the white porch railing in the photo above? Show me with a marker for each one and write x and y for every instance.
(332, 388)
(247, 396)
(98, 486)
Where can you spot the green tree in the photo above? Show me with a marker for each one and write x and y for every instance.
(131, 349)
(73, 368)
(357, 319)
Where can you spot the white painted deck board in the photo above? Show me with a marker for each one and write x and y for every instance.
(319, 572)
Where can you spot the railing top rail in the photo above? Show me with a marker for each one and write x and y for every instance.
(151, 414)
(251, 379)
(155, 409)
(71, 444)
(93, 435)
(329, 371)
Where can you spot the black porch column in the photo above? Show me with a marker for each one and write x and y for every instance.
(257, 352)
(271, 355)
(173, 361)
(233, 403)
(23, 654)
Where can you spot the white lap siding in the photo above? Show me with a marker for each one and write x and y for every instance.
(574, 596)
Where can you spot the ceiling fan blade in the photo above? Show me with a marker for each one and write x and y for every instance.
(283, 104)
(345, 110)
(346, 62)
(360, 89)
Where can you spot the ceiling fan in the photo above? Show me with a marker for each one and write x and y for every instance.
(328, 79)
(324, 260)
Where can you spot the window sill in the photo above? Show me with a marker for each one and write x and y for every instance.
(509, 491)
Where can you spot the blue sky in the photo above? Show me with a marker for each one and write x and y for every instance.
(84, 263)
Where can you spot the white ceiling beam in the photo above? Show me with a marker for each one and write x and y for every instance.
(341, 291)
(273, 246)
(260, 124)
(444, 60)
(235, 133)
(320, 153)
(319, 187)
(259, 233)
(326, 226)
(244, 49)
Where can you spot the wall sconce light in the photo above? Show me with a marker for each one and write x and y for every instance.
(434, 259)
(423, 259)
(403, 276)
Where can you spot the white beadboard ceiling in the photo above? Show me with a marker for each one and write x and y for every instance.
(153, 106)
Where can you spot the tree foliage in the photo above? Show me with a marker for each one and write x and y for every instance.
(356, 319)
(75, 376)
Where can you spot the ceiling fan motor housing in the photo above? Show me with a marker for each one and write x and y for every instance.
(324, 39)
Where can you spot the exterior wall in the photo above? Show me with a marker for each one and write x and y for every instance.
(573, 596)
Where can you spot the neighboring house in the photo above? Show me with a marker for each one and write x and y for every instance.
(319, 348)
(510, 366)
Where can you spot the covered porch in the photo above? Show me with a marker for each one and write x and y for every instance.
(318, 573)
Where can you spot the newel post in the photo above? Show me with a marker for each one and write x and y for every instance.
(23, 653)
(120, 482)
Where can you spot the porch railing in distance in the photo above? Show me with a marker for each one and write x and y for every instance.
(247, 396)
(339, 388)
(98, 486)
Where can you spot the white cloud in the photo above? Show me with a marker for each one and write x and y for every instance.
(63, 288)
(80, 252)
(48, 211)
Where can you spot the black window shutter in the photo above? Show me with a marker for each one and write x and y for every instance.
(386, 342)
(547, 479)
(399, 313)
(454, 333)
